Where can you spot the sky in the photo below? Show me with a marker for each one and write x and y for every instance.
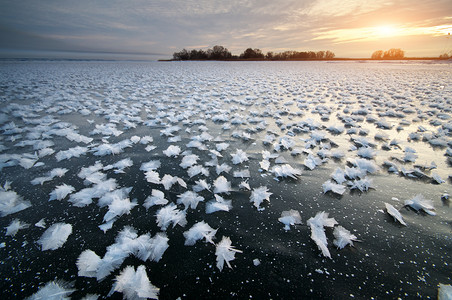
(158, 28)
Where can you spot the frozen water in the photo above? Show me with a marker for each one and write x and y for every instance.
(156, 145)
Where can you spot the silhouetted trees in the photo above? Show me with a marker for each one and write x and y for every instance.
(393, 53)
(216, 53)
(222, 53)
(377, 54)
(252, 53)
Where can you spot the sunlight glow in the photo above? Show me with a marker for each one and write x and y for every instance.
(339, 36)
(386, 31)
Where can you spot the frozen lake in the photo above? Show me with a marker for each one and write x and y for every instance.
(121, 178)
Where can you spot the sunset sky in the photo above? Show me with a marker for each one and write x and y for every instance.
(156, 29)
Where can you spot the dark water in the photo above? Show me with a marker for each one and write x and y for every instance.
(389, 261)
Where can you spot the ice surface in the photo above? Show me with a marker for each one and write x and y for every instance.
(80, 131)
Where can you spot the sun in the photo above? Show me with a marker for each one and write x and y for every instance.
(385, 31)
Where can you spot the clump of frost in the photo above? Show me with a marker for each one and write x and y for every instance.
(55, 236)
(221, 146)
(170, 214)
(362, 184)
(54, 290)
(343, 237)
(150, 171)
(222, 168)
(333, 187)
(189, 160)
(167, 181)
(437, 179)
(264, 164)
(444, 291)
(286, 170)
(201, 185)
(221, 185)
(15, 226)
(71, 152)
(85, 196)
(119, 166)
(364, 165)
(157, 198)
(366, 152)
(41, 223)
(118, 207)
(339, 175)
(127, 242)
(134, 284)
(218, 204)
(172, 151)
(317, 225)
(420, 203)
(189, 199)
(88, 263)
(60, 192)
(10, 201)
(108, 197)
(290, 217)
(200, 230)
(57, 172)
(197, 169)
(225, 252)
(258, 195)
(311, 162)
(395, 213)
(239, 157)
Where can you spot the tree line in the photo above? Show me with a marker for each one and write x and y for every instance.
(222, 53)
(393, 53)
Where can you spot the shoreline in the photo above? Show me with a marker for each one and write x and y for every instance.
(332, 59)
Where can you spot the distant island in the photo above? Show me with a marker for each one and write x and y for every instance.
(222, 53)
(250, 54)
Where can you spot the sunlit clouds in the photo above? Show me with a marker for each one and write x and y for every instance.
(381, 32)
